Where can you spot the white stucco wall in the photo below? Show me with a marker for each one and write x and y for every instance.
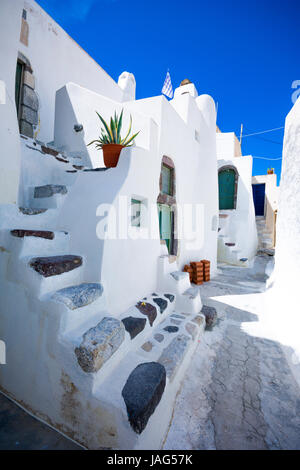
(228, 145)
(10, 154)
(242, 225)
(271, 199)
(281, 320)
(287, 255)
(55, 59)
(288, 221)
(128, 268)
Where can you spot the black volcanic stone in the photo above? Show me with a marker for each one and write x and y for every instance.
(171, 297)
(54, 265)
(134, 325)
(171, 329)
(48, 190)
(210, 314)
(147, 309)
(30, 211)
(162, 303)
(142, 393)
(20, 233)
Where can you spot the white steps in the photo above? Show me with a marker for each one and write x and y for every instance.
(228, 248)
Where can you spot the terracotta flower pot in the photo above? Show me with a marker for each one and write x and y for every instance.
(111, 154)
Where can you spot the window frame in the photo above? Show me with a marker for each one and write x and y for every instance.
(170, 182)
(18, 104)
(133, 202)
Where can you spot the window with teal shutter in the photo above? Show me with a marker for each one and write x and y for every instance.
(136, 207)
(166, 180)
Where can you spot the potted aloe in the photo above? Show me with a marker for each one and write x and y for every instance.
(110, 140)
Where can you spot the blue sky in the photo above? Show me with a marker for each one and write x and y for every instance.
(245, 54)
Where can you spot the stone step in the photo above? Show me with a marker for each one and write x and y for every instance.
(192, 292)
(138, 322)
(49, 190)
(44, 274)
(55, 265)
(32, 210)
(178, 281)
(30, 242)
(179, 275)
(141, 390)
(230, 244)
(76, 307)
(47, 196)
(21, 233)
(78, 296)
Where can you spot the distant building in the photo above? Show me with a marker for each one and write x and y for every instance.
(265, 195)
(237, 236)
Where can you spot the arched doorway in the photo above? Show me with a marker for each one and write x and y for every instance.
(166, 204)
(228, 181)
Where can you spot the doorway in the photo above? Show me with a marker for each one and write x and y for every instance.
(259, 191)
(227, 179)
(166, 205)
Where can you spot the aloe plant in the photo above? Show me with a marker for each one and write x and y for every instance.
(112, 134)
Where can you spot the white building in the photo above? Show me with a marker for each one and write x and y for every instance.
(88, 319)
(237, 238)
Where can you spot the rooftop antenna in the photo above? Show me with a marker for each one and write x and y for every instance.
(241, 134)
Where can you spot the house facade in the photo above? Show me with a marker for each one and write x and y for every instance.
(265, 195)
(94, 303)
(237, 236)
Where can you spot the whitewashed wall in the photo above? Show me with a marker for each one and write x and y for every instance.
(128, 268)
(10, 154)
(271, 199)
(242, 226)
(284, 297)
(228, 145)
(55, 59)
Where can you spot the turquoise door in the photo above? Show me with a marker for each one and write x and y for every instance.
(226, 189)
(165, 224)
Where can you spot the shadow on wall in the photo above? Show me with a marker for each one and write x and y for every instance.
(80, 212)
(71, 131)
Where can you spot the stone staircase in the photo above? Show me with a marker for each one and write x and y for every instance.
(228, 249)
(106, 381)
(170, 278)
(265, 241)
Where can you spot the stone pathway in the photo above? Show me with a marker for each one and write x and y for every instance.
(239, 392)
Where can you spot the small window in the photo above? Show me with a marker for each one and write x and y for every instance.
(136, 209)
(167, 180)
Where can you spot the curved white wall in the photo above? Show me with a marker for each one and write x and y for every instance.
(126, 267)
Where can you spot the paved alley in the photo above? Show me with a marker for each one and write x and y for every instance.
(239, 392)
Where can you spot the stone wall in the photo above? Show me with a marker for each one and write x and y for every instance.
(29, 103)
